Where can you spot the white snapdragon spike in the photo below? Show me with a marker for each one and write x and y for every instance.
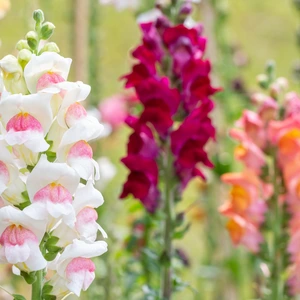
(46, 69)
(27, 120)
(74, 267)
(75, 150)
(19, 239)
(86, 199)
(50, 188)
(13, 75)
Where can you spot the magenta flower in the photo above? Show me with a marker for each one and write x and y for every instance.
(172, 82)
(142, 180)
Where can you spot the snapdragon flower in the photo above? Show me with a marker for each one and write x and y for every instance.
(47, 217)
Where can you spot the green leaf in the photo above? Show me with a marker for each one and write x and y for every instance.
(25, 196)
(18, 297)
(49, 297)
(29, 277)
(51, 241)
(47, 288)
(22, 205)
(165, 259)
(179, 234)
(53, 248)
(50, 256)
(30, 168)
(51, 156)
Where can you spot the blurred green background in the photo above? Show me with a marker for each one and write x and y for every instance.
(258, 30)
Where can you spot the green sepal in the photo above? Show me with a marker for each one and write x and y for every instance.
(22, 205)
(25, 196)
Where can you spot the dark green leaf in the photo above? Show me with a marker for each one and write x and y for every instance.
(49, 297)
(29, 277)
(51, 241)
(50, 256)
(47, 288)
(53, 249)
(179, 234)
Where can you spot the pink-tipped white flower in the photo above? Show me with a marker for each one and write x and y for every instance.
(75, 269)
(65, 94)
(86, 199)
(46, 69)
(50, 188)
(27, 120)
(13, 75)
(19, 239)
(11, 185)
(75, 150)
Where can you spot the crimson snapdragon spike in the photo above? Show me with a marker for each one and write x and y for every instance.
(167, 147)
(172, 82)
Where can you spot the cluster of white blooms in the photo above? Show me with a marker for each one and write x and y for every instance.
(48, 219)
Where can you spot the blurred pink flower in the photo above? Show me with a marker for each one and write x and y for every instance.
(114, 110)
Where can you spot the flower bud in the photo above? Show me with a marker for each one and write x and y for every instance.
(32, 39)
(297, 4)
(263, 81)
(13, 75)
(22, 44)
(186, 9)
(50, 47)
(38, 16)
(47, 30)
(24, 57)
(279, 86)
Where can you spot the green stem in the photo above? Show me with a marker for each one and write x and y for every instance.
(37, 286)
(277, 286)
(168, 227)
(146, 237)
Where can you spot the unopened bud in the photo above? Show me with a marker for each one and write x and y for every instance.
(47, 30)
(22, 44)
(278, 87)
(38, 16)
(263, 81)
(297, 4)
(50, 47)
(32, 39)
(186, 9)
(24, 57)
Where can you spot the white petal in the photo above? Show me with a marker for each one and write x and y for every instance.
(46, 62)
(36, 260)
(45, 173)
(16, 254)
(87, 196)
(80, 281)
